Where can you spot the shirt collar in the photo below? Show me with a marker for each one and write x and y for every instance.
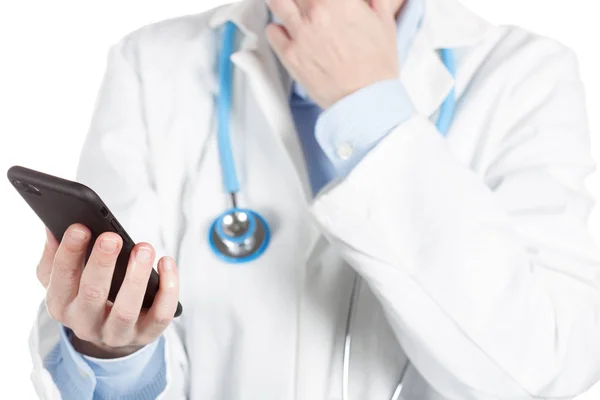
(407, 24)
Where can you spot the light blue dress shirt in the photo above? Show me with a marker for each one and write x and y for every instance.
(336, 139)
(333, 142)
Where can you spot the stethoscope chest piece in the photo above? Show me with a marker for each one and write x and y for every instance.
(239, 235)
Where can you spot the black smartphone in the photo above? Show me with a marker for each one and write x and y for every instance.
(60, 203)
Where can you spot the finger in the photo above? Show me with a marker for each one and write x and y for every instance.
(66, 270)
(280, 41)
(385, 8)
(287, 12)
(44, 268)
(90, 305)
(128, 303)
(380, 5)
(163, 308)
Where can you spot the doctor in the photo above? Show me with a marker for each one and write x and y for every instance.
(405, 257)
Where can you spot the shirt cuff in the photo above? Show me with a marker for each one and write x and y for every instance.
(351, 127)
(72, 376)
(140, 375)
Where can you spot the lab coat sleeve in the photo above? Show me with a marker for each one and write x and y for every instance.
(115, 162)
(488, 276)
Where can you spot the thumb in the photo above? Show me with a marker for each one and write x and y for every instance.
(44, 268)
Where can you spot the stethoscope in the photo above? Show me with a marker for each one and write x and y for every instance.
(240, 235)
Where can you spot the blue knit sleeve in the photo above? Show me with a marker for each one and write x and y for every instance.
(139, 376)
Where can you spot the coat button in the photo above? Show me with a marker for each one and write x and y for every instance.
(344, 151)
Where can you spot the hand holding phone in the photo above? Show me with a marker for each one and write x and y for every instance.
(77, 298)
(99, 283)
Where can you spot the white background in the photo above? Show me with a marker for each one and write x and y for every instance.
(52, 57)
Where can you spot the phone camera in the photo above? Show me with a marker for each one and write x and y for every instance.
(26, 187)
(19, 185)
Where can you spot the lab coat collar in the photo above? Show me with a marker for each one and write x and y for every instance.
(447, 23)
(249, 16)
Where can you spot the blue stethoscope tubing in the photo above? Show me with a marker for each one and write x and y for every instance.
(447, 109)
(226, 159)
(228, 169)
(229, 174)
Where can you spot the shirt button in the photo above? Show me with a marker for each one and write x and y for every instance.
(82, 373)
(345, 151)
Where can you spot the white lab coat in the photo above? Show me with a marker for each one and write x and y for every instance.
(479, 266)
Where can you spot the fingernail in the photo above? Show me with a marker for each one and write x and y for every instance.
(169, 264)
(143, 254)
(108, 245)
(78, 235)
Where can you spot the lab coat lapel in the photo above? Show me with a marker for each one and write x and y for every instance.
(272, 95)
(425, 77)
(449, 25)
(270, 87)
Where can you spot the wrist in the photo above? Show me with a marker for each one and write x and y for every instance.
(99, 350)
(358, 86)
